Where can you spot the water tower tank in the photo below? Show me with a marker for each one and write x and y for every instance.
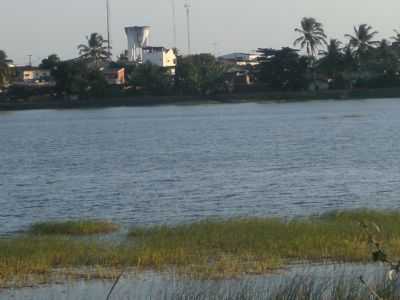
(138, 38)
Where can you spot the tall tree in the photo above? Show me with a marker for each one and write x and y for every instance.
(199, 74)
(384, 65)
(331, 64)
(332, 58)
(50, 63)
(283, 69)
(153, 79)
(75, 78)
(95, 50)
(396, 37)
(4, 70)
(312, 36)
(362, 40)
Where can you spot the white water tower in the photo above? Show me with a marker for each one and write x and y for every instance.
(138, 38)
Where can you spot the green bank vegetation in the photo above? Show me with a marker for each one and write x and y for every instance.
(318, 62)
(209, 249)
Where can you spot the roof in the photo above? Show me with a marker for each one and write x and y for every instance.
(158, 49)
(30, 68)
(239, 56)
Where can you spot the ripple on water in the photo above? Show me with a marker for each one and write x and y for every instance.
(176, 164)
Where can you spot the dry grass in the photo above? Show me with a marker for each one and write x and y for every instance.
(79, 227)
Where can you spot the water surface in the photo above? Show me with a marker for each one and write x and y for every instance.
(174, 164)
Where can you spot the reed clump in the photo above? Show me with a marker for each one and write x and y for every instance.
(24, 258)
(78, 227)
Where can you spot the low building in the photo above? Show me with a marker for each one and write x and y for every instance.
(114, 76)
(160, 56)
(240, 59)
(32, 74)
(27, 75)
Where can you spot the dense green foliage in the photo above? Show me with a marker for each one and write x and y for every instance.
(152, 79)
(50, 63)
(76, 78)
(199, 74)
(283, 69)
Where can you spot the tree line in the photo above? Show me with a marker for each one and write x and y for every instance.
(361, 62)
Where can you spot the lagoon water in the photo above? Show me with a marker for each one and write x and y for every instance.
(172, 164)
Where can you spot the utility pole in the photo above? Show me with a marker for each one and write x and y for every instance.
(174, 22)
(108, 28)
(187, 7)
(215, 44)
(30, 60)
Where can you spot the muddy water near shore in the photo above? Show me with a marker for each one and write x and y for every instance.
(151, 285)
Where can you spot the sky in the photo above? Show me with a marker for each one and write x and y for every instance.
(43, 27)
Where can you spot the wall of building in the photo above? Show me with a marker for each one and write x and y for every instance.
(160, 57)
(29, 75)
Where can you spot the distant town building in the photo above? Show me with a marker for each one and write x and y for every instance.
(159, 56)
(30, 74)
(240, 59)
(138, 38)
(114, 76)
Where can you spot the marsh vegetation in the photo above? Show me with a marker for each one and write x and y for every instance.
(211, 249)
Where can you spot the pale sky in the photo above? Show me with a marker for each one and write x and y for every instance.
(42, 27)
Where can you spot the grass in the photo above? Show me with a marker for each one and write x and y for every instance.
(300, 287)
(254, 246)
(208, 249)
(79, 227)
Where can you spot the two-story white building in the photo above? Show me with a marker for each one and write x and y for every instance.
(160, 56)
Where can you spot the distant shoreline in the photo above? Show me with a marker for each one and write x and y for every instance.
(143, 101)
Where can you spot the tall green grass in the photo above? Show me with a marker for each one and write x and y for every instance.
(234, 247)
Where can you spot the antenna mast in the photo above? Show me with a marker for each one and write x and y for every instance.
(174, 22)
(187, 6)
(108, 28)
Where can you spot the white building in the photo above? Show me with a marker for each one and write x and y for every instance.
(160, 56)
(240, 59)
(34, 74)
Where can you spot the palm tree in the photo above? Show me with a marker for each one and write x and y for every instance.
(333, 49)
(386, 59)
(312, 36)
(396, 37)
(4, 70)
(362, 40)
(396, 40)
(331, 62)
(96, 49)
